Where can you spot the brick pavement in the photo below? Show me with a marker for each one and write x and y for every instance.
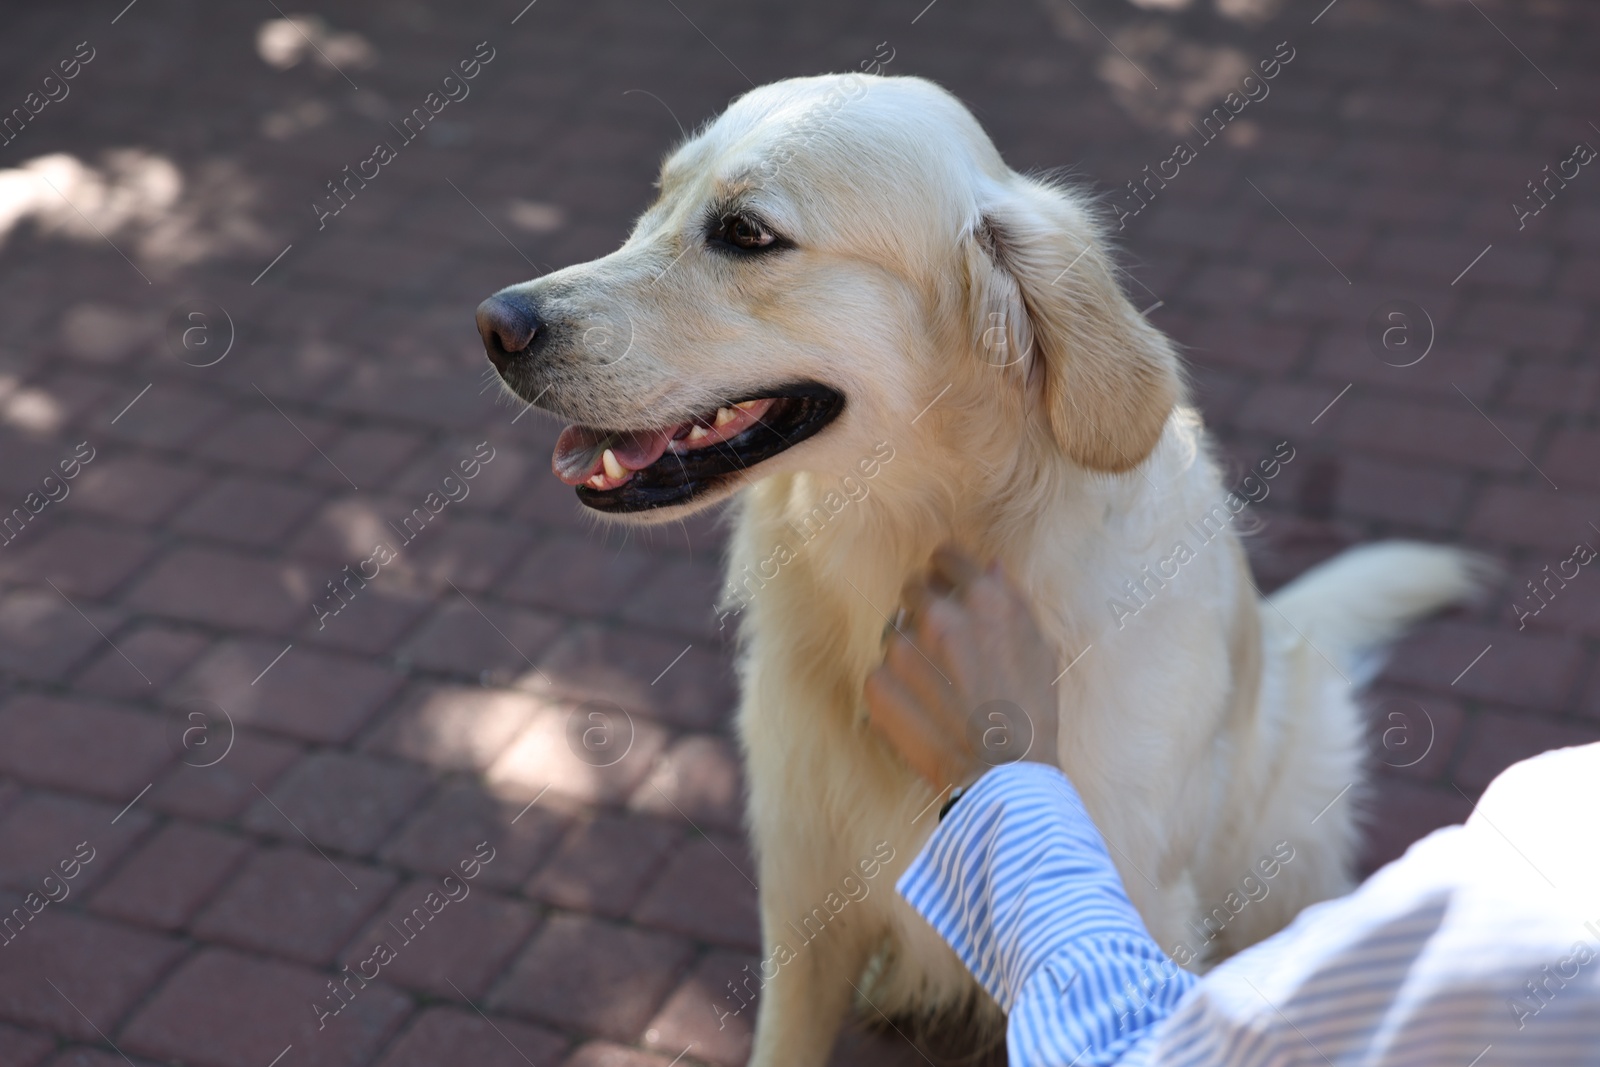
(236, 870)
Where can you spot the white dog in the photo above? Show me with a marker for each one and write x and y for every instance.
(847, 310)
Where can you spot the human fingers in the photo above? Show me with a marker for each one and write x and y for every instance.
(915, 595)
(936, 623)
(953, 568)
(919, 665)
(900, 717)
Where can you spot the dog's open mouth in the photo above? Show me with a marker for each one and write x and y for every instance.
(641, 469)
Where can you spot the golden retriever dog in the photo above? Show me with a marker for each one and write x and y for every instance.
(848, 316)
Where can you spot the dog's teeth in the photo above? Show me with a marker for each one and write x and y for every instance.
(746, 405)
(725, 416)
(613, 469)
(698, 433)
(598, 481)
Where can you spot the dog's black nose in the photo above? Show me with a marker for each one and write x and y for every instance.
(508, 325)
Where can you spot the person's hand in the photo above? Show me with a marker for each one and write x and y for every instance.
(967, 681)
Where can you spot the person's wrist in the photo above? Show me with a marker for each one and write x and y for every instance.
(963, 786)
(1042, 753)
(956, 793)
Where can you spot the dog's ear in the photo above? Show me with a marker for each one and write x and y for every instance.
(1044, 298)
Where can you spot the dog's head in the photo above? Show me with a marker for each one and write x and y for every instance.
(822, 260)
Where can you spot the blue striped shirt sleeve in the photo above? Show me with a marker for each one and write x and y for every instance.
(1018, 880)
(1481, 946)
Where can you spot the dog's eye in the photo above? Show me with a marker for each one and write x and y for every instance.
(748, 234)
(744, 232)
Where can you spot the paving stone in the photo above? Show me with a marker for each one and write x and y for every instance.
(347, 530)
(36, 450)
(83, 746)
(133, 488)
(483, 639)
(714, 1010)
(42, 831)
(696, 779)
(606, 863)
(1413, 733)
(447, 937)
(545, 501)
(10, 793)
(373, 623)
(595, 753)
(1342, 354)
(446, 1035)
(607, 1054)
(574, 574)
(1544, 387)
(147, 657)
(82, 559)
(168, 416)
(246, 511)
(572, 956)
(339, 801)
(468, 551)
(1414, 496)
(171, 876)
(23, 1048)
(224, 588)
(370, 455)
(1525, 322)
(456, 727)
(1553, 604)
(294, 903)
(448, 404)
(496, 479)
(94, 1057)
(263, 440)
(1531, 669)
(1590, 703)
(226, 1008)
(461, 815)
(1569, 459)
(707, 892)
(1444, 433)
(43, 635)
(673, 679)
(222, 766)
(1536, 517)
(308, 694)
(1400, 812)
(99, 968)
(679, 595)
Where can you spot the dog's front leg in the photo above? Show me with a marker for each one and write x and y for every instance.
(811, 968)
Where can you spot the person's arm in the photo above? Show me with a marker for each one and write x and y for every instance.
(1018, 881)
(1016, 878)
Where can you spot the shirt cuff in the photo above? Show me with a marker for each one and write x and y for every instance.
(1018, 881)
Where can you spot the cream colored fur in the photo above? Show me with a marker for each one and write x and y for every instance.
(974, 321)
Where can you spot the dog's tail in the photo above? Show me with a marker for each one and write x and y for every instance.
(1354, 606)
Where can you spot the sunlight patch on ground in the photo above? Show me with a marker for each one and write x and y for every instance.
(1141, 50)
(287, 42)
(139, 200)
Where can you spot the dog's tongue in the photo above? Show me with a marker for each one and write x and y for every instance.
(577, 456)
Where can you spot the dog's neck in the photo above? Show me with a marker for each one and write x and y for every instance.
(1048, 522)
(850, 546)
